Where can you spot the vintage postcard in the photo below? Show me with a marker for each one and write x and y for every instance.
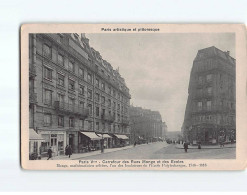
(133, 97)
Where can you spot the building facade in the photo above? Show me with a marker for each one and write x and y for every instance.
(73, 90)
(146, 125)
(210, 115)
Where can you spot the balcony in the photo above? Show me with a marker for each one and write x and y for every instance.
(32, 71)
(71, 109)
(32, 97)
(108, 117)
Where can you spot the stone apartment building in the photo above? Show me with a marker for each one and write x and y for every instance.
(75, 96)
(210, 115)
(146, 125)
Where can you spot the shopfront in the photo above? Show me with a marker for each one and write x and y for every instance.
(107, 140)
(120, 140)
(89, 141)
(56, 139)
(35, 141)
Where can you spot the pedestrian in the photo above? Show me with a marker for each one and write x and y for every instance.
(49, 153)
(135, 144)
(199, 145)
(66, 150)
(69, 151)
(185, 146)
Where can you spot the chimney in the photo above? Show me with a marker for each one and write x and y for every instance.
(227, 52)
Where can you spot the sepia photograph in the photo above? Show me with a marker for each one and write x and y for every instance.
(132, 96)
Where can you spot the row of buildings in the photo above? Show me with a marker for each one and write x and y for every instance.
(210, 115)
(75, 96)
(146, 125)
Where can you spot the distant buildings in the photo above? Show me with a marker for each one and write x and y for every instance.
(210, 115)
(75, 97)
(146, 125)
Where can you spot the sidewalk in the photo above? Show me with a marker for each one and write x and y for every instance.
(180, 146)
(77, 156)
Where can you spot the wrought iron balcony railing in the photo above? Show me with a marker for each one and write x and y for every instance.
(71, 108)
(108, 117)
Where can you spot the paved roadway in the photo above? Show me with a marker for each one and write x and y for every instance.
(162, 150)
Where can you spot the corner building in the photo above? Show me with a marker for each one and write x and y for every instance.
(210, 115)
(75, 97)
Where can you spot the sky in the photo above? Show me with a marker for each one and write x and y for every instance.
(156, 67)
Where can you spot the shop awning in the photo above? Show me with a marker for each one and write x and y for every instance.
(91, 135)
(34, 136)
(121, 136)
(104, 136)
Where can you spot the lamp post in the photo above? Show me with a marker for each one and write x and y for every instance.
(102, 144)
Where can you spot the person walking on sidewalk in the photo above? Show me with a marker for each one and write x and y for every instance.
(186, 146)
(66, 150)
(69, 151)
(49, 153)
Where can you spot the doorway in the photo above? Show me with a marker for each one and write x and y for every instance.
(71, 141)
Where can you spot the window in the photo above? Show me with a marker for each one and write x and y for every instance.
(103, 99)
(109, 102)
(97, 111)
(81, 89)
(97, 82)
(199, 105)
(89, 94)
(89, 77)
(90, 109)
(81, 73)
(48, 97)
(97, 97)
(71, 85)
(118, 106)
(60, 80)
(47, 51)
(114, 105)
(209, 105)
(90, 126)
(209, 77)
(200, 92)
(103, 126)
(97, 126)
(103, 86)
(47, 119)
(60, 60)
(60, 98)
(71, 66)
(209, 90)
(200, 79)
(81, 104)
(109, 90)
(81, 123)
(60, 121)
(118, 116)
(103, 112)
(71, 101)
(47, 73)
(71, 122)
